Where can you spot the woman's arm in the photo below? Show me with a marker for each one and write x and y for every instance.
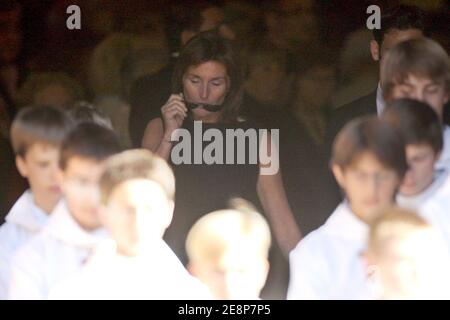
(276, 206)
(157, 135)
(154, 139)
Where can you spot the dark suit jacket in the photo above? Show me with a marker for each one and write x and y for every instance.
(148, 94)
(364, 106)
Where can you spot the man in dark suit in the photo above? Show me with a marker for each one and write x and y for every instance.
(149, 93)
(399, 24)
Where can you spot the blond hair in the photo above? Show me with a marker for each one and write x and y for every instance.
(136, 164)
(219, 231)
(394, 223)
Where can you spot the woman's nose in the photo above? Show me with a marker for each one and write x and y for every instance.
(204, 92)
(418, 95)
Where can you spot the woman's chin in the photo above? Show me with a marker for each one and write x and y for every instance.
(202, 114)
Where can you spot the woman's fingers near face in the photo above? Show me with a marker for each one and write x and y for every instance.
(179, 108)
(174, 98)
(175, 110)
(175, 104)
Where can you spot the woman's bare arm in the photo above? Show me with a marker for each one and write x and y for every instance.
(154, 139)
(276, 206)
(157, 135)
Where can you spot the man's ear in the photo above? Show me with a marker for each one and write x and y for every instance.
(21, 166)
(226, 32)
(186, 35)
(338, 175)
(375, 50)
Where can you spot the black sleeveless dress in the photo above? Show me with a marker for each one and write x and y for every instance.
(203, 188)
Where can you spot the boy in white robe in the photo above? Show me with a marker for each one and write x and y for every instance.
(36, 135)
(74, 227)
(135, 263)
(419, 69)
(421, 129)
(369, 164)
(406, 258)
(228, 251)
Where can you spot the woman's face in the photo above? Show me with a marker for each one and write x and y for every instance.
(206, 83)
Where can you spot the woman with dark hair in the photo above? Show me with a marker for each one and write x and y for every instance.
(207, 86)
(206, 75)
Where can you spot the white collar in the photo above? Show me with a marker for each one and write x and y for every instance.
(158, 260)
(345, 224)
(107, 250)
(381, 104)
(27, 214)
(156, 274)
(415, 202)
(64, 227)
(444, 160)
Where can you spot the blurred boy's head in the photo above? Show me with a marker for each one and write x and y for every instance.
(406, 257)
(137, 190)
(228, 251)
(82, 111)
(369, 163)
(83, 154)
(36, 135)
(422, 132)
(418, 69)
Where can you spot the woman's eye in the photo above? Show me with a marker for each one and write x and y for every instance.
(217, 83)
(194, 80)
(406, 93)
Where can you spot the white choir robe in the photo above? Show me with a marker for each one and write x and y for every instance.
(24, 220)
(59, 250)
(417, 201)
(437, 211)
(156, 274)
(328, 264)
(444, 160)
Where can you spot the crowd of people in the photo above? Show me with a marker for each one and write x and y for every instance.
(96, 207)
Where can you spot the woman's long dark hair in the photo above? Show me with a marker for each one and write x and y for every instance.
(209, 46)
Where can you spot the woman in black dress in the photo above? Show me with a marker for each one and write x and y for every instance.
(207, 87)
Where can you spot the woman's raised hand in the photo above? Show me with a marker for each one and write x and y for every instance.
(173, 112)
